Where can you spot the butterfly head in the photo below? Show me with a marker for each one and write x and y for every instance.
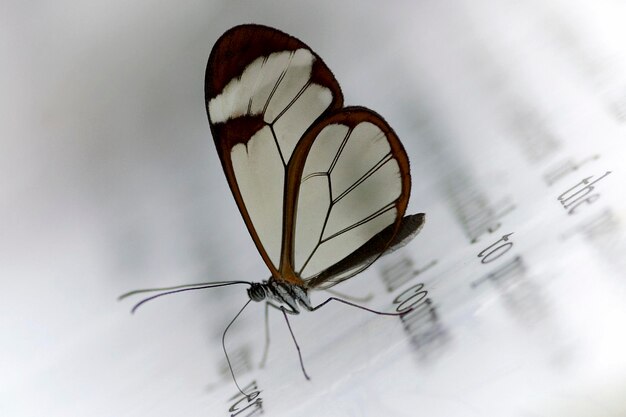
(257, 291)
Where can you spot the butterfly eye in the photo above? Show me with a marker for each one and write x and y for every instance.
(256, 292)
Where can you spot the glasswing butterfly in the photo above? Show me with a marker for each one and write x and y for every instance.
(322, 188)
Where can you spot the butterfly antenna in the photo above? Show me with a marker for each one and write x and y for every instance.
(177, 289)
(226, 353)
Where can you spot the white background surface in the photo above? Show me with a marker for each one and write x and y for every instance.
(109, 181)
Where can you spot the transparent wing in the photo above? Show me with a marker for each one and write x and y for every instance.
(263, 90)
(381, 244)
(350, 180)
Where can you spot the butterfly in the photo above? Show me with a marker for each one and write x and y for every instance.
(322, 188)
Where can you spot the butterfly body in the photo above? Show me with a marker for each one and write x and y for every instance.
(282, 293)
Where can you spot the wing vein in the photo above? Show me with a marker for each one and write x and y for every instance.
(319, 240)
(314, 174)
(336, 158)
(372, 216)
(280, 152)
(365, 176)
(308, 83)
(278, 81)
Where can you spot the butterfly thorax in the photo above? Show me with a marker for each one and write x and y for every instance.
(290, 296)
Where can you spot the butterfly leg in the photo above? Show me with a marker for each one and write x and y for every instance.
(286, 311)
(267, 330)
(363, 299)
(267, 336)
(357, 306)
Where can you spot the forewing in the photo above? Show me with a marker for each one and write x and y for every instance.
(352, 179)
(263, 90)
